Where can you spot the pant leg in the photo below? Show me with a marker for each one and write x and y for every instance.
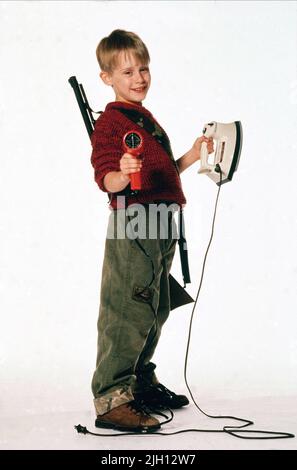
(145, 374)
(125, 317)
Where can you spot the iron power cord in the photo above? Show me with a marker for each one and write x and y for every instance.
(235, 431)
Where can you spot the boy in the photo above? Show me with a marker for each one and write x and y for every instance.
(132, 309)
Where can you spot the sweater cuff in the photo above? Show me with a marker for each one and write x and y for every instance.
(100, 177)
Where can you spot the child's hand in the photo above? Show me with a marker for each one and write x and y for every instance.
(200, 140)
(130, 164)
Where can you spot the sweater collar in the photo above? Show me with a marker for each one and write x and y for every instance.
(123, 104)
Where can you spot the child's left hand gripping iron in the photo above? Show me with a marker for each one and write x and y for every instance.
(133, 144)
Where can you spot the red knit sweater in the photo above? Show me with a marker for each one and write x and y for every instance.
(159, 178)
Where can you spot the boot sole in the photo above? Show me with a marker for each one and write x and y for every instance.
(142, 429)
(163, 406)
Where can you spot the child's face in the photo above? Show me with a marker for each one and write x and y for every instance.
(130, 79)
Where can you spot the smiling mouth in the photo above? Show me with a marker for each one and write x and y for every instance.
(139, 89)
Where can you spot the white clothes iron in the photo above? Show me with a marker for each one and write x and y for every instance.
(228, 139)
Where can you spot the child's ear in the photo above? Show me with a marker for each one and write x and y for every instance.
(106, 78)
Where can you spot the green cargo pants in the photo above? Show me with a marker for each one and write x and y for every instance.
(134, 301)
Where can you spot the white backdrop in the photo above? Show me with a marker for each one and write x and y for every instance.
(211, 60)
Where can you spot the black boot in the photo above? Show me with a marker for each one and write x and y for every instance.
(158, 396)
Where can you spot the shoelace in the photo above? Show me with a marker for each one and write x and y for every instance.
(163, 389)
(158, 389)
(138, 407)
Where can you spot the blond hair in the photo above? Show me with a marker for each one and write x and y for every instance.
(119, 40)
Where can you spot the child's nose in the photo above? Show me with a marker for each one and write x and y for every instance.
(139, 77)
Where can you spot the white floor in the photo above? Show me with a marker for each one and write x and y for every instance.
(56, 430)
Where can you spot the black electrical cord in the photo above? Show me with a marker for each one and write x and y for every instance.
(235, 431)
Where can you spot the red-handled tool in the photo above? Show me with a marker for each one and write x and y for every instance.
(133, 144)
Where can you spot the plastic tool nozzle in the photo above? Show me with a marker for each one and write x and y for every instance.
(133, 144)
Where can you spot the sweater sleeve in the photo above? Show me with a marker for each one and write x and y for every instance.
(107, 148)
